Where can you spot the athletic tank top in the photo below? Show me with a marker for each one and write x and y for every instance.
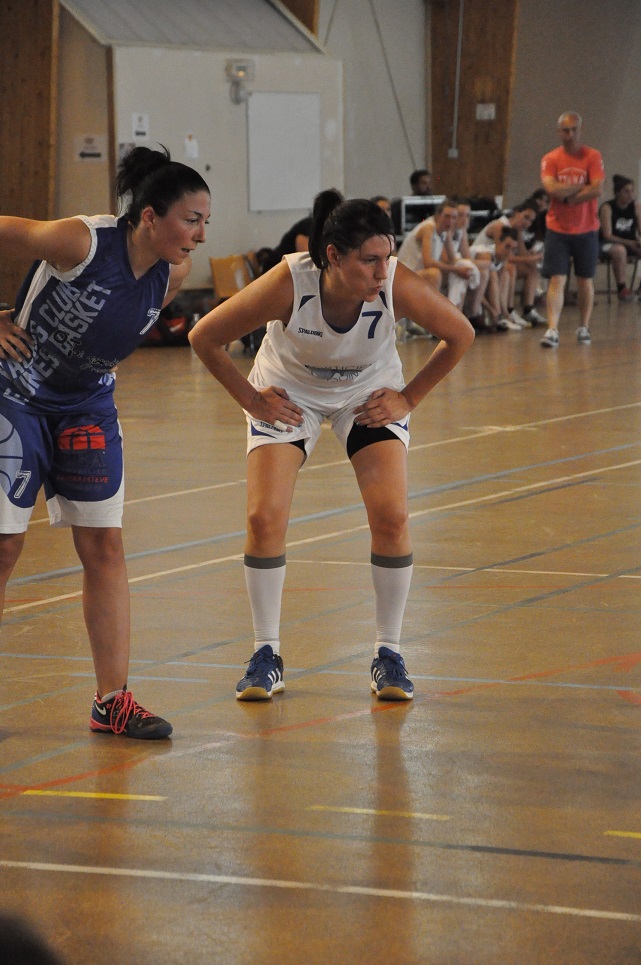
(83, 322)
(320, 364)
(624, 220)
(411, 251)
(483, 240)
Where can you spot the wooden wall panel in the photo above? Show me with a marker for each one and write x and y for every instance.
(28, 85)
(306, 11)
(487, 60)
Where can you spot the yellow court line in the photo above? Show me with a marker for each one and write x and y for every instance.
(393, 814)
(96, 794)
(624, 834)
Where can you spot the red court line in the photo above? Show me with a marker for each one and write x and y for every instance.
(630, 696)
(625, 662)
(16, 790)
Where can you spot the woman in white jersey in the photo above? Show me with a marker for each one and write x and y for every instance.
(330, 354)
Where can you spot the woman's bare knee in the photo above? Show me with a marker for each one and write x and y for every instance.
(99, 547)
(10, 549)
(266, 527)
(390, 525)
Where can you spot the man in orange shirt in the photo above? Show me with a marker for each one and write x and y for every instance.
(573, 176)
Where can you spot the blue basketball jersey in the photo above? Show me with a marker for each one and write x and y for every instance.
(83, 323)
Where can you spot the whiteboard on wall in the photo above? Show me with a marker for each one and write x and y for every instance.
(284, 148)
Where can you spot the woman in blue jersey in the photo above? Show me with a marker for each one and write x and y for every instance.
(96, 286)
(330, 354)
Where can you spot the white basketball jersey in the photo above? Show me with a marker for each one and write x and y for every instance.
(323, 366)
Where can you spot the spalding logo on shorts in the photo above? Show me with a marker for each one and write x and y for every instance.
(10, 454)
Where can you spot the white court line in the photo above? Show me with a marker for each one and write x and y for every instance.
(359, 890)
(340, 533)
(470, 569)
(476, 434)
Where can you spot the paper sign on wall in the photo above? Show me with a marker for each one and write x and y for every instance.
(486, 112)
(191, 147)
(140, 127)
(90, 147)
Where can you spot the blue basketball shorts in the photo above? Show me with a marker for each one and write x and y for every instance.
(560, 249)
(76, 457)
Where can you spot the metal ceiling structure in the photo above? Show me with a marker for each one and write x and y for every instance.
(247, 25)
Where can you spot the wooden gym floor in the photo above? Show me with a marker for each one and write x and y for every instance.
(495, 819)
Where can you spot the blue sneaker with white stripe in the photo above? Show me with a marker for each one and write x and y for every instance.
(264, 676)
(389, 676)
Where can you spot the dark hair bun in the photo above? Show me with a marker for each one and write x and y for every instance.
(619, 182)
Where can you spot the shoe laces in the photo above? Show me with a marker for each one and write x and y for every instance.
(123, 708)
(260, 661)
(394, 666)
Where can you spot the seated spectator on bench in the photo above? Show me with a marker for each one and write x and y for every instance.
(620, 219)
(295, 239)
(542, 201)
(473, 301)
(525, 264)
(497, 296)
(534, 236)
(429, 250)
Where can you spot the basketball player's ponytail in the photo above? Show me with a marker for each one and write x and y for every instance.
(345, 225)
(324, 204)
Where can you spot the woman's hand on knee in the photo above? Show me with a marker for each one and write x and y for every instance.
(382, 407)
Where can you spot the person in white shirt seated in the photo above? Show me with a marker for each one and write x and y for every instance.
(497, 297)
(430, 251)
(525, 263)
(473, 302)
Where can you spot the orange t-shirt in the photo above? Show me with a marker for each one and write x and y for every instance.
(586, 167)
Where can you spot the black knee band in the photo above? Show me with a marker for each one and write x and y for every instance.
(264, 563)
(392, 562)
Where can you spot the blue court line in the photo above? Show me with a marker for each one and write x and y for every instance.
(171, 826)
(505, 473)
(48, 756)
(545, 552)
(222, 698)
(294, 673)
(416, 638)
(298, 672)
(334, 513)
(568, 375)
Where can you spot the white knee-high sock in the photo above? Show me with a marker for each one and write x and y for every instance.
(265, 579)
(391, 576)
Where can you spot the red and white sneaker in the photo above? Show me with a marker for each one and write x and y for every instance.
(625, 295)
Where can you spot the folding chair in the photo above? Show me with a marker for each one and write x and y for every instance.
(229, 275)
